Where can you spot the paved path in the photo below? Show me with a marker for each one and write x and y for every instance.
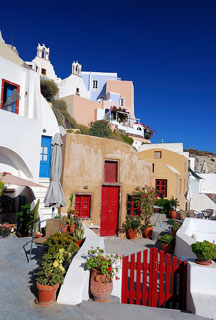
(17, 293)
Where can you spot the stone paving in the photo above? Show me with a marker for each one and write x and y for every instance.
(18, 293)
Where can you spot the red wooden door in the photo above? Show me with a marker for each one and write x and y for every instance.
(109, 211)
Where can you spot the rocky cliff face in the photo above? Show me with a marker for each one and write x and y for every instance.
(205, 162)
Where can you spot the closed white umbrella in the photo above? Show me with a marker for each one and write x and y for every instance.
(55, 196)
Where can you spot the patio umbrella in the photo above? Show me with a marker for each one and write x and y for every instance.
(55, 196)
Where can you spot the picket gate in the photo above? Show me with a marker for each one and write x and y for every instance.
(154, 279)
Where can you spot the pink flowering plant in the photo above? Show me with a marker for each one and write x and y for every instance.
(145, 200)
(105, 264)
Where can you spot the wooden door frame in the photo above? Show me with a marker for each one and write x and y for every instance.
(119, 203)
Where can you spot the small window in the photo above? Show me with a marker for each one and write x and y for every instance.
(43, 71)
(77, 91)
(153, 167)
(121, 102)
(158, 154)
(94, 84)
(10, 96)
(132, 207)
(83, 205)
(110, 171)
(161, 187)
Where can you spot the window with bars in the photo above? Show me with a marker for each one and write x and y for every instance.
(161, 187)
(83, 205)
(132, 207)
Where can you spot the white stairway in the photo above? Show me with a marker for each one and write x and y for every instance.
(40, 192)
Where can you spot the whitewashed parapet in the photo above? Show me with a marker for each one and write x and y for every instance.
(75, 288)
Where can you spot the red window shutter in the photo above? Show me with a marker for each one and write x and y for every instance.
(82, 205)
(110, 171)
(161, 187)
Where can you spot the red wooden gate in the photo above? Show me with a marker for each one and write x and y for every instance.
(154, 279)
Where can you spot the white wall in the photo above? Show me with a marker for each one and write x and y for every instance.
(20, 134)
(68, 86)
(45, 64)
(208, 183)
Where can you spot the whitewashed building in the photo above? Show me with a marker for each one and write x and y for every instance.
(27, 122)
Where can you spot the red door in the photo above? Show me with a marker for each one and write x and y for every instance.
(109, 211)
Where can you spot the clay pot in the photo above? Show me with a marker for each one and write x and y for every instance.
(203, 262)
(72, 228)
(65, 229)
(147, 232)
(46, 294)
(38, 235)
(167, 247)
(173, 214)
(100, 290)
(132, 234)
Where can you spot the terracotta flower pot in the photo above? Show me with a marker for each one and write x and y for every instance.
(72, 228)
(46, 294)
(132, 234)
(147, 232)
(167, 247)
(38, 235)
(203, 262)
(173, 214)
(65, 229)
(100, 290)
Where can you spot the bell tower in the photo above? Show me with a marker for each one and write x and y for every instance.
(43, 52)
(76, 68)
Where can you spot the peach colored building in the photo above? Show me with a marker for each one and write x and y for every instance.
(102, 174)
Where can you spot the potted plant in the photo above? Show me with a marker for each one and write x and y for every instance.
(48, 279)
(4, 231)
(174, 203)
(65, 225)
(71, 223)
(167, 242)
(27, 219)
(79, 231)
(145, 200)
(146, 230)
(131, 226)
(205, 252)
(175, 225)
(103, 268)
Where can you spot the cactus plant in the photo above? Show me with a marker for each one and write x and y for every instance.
(79, 231)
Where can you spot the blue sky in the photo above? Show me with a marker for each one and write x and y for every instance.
(167, 48)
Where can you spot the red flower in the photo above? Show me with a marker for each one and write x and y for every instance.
(117, 278)
(109, 269)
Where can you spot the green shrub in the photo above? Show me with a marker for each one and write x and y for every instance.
(48, 89)
(204, 250)
(1, 188)
(131, 222)
(47, 273)
(4, 231)
(167, 239)
(127, 139)
(100, 128)
(26, 219)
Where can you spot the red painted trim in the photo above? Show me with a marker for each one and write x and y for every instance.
(2, 94)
